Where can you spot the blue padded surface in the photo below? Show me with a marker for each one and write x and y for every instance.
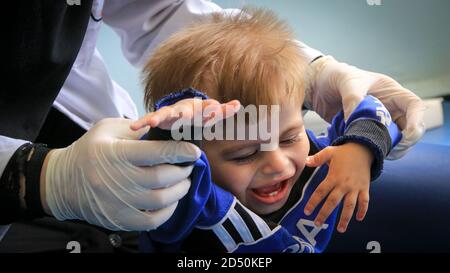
(440, 135)
(409, 210)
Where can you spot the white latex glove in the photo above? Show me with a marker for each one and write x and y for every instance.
(111, 179)
(335, 86)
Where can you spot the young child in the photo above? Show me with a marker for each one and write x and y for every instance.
(286, 199)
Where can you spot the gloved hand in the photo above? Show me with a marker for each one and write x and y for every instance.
(335, 86)
(112, 179)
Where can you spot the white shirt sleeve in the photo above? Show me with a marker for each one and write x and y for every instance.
(89, 94)
(7, 148)
(143, 25)
(309, 52)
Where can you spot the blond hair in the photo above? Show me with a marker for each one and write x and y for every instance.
(250, 56)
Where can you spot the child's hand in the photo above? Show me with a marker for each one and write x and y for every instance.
(187, 109)
(348, 178)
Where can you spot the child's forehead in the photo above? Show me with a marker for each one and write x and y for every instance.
(236, 131)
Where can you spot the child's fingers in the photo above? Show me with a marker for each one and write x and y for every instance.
(186, 109)
(332, 202)
(318, 195)
(210, 110)
(363, 205)
(151, 119)
(347, 211)
(205, 109)
(219, 112)
(320, 158)
(164, 117)
(138, 124)
(143, 121)
(167, 115)
(230, 108)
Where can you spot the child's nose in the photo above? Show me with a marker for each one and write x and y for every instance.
(275, 162)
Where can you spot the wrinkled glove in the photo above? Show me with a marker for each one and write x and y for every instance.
(335, 86)
(112, 179)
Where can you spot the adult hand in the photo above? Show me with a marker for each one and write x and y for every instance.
(335, 86)
(112, 179)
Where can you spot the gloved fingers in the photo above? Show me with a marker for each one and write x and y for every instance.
(160, 176)
(398, 152)
(401, 122)
(415, 126)
(413, 129)
(156, 218)
(132, 219)
(138, 133)
(337, 86)
(407, 109)
(149, 153)
(118, 128)
(353, 87)
(351, 101)
(322, 94)
(409, 138)
(160, 198)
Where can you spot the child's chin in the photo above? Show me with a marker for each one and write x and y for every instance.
(263, 209)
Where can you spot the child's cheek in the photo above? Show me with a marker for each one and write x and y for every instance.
(231, 178)
(301, 154)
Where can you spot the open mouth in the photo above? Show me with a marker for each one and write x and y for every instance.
(273, 193)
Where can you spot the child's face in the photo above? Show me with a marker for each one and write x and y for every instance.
(262, 180)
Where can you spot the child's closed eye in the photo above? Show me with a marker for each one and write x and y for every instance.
(291, 140)
(247, 157)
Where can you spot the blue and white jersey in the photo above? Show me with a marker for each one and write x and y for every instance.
(210, 219)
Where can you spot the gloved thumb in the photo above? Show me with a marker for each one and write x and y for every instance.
(410, 137)
(413, 130)
(117, 128)
(353, 88)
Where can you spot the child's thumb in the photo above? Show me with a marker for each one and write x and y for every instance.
(319, 158)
